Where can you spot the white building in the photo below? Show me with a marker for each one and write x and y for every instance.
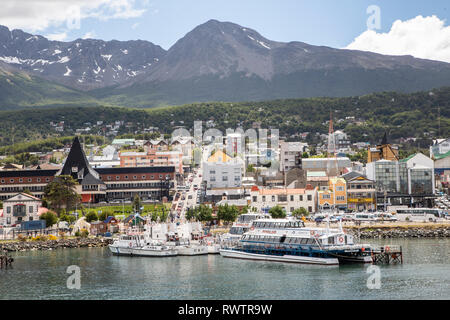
(289, 151)
(289, 199)
(20, 208)
(223, 171)
(439, 147)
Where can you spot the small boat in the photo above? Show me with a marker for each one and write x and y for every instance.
(141, 245)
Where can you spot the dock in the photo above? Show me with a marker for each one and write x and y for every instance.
(5, 260)
(389, 254)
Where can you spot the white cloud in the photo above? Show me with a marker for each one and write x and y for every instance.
(88, 35)
(135, 25)
(421, 37)
(57, 36)
(38, 15)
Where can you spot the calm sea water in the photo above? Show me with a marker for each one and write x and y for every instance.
(425, 274)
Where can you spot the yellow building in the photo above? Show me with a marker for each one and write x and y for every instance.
(335, 196)
(383, 151)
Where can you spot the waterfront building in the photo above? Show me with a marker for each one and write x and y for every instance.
(335, 196)
(290, 199)
(402, 182)
(361, 192)
(20, 208)
(95, 185)
(383, 151)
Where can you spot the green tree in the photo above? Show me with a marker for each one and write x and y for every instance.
(91, 216)
(61, 193)
(227, 213)
(277, 212)
(26, 159)
(301, 212)
(204, 213)
(137, 204)
(191, 214)
(68, 218)
(103, 215)
(50, 218)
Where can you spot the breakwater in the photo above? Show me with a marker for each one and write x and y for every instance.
(400, 232)
(54, 244)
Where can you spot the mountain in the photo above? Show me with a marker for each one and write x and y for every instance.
(21, 89)
(224, 61)
(83, 64)
(216, 61)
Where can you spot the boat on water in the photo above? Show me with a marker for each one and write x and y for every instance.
(241, 226)
(286, 240)
(140, 245)
(187, 239)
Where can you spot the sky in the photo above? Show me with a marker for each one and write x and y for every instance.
(419, 28)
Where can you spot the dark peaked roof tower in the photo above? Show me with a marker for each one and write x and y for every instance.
(77, 166)
(385, 140)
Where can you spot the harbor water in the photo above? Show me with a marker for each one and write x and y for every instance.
(425, 274)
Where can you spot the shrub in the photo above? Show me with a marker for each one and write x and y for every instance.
(21, 238)
(40, 238)
(52, 237)
(91, 216)
(77, 234)
(84, 233)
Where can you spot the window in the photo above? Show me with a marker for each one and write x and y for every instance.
(264, 198)
(255, 198)
(326, 196)
(11, 180)
(126, 177)
(301, 198)
(117, 178)
(109, 178)
(143, 177)
(38, 179)
(30, 209)
(20, 180)
(47, 179)
(134, 177)
(29, 179)
(309, 197)
(292, 199)
(8, 209)
(224, 178)
(273, 198)
(309, 209)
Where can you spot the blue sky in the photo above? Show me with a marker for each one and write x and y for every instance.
(334, 23)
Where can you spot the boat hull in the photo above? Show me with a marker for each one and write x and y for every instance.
(192, 250)
(142, 252)
(228, 253)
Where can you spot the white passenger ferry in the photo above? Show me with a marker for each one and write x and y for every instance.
(285, 240)
(241, 226)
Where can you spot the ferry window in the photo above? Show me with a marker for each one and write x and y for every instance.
(331, 240)
(303, 241)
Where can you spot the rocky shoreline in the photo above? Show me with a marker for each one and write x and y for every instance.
(55, 244)
(399, 232)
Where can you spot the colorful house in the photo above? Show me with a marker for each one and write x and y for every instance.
(335, 197)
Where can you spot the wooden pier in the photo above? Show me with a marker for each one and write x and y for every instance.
(5, 260)
(389, 254)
